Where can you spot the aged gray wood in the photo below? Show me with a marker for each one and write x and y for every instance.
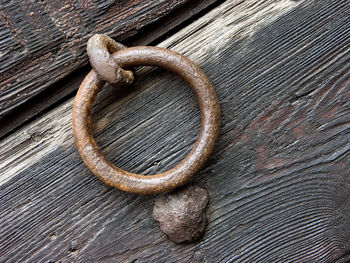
(279, 180)
(44, 41)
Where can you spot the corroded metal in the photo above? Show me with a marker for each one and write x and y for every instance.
(181, 214)
(100, 48)
(188, 167)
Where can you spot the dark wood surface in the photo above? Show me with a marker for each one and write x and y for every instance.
(63, 89)
(44, 41)
(279, 180)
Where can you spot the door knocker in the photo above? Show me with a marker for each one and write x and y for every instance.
(112, 62)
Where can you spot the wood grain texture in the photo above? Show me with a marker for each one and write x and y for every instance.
(44, 41)
(64, 89)
(279, 180)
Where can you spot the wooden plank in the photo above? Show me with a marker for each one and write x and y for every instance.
(53, 94)
(44, 41)
(279, 180)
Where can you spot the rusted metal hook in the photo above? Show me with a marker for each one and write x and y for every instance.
(144, 56)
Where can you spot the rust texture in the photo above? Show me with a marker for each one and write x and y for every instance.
(181, 214)
(200, 152)
(99, 49)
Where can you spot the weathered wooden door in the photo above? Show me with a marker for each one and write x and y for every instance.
(279, 178)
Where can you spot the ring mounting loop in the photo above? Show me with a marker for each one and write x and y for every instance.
(188, 167)
(100, 48)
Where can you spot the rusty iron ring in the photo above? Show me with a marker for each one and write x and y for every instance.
(188, 167)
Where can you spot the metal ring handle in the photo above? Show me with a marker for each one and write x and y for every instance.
(200, 152)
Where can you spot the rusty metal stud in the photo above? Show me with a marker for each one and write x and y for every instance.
(188, 167)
